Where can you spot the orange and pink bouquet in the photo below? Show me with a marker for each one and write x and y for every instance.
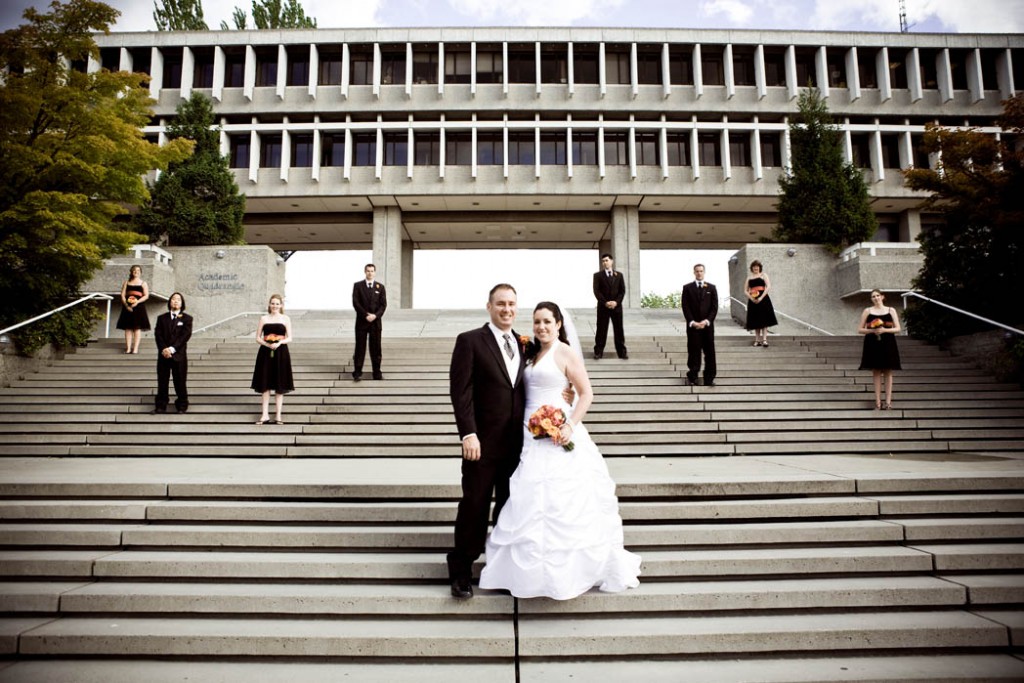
(756, 292)
(545, 422)
(271, 339)
(132, 301)
(875, 324)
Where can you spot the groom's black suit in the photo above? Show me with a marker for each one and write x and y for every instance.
(699, 304)
(489, 404)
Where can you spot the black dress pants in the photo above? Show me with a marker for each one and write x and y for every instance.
(701, 342)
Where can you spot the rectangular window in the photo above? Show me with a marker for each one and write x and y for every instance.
(266, 69)
(743, 65)
(554, 64)
(552, 149)
(361, 64)
(615, 149)
(298, 66)
(616, 65)
(330, 67)
(584, 64)
(958, 67)
(836, 68)
(239, 150)
(424, 64)
(860, 148)
(989, 69)
(427, 149)
(929, 69)
(234, 70)
(364, 149)
(584, 149)
(489, 67)
(647, 150)
(806, 72)
(457, 66)
(897, 69)
(890, 151)
(774, 67)
(709, 149)
(396, 149)
(392, 67)
(713, 65)
(648, 66)
(771, 150)
(172, 69)
(489, 149)
(521, 148)
(866, 68)
(680, 65)
(521, 65)
(332, 149)
(270, 151)
(920, 156)
(678, 149)
(458, 149)
(739, 149)
(202, 73)
(302, 150)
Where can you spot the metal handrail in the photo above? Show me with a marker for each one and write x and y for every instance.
(786, 315)
(959, 310)
(225, 320)
(88, 297)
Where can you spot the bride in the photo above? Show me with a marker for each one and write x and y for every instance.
(560, 533)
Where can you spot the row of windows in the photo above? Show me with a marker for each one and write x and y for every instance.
(521, 63)
(554, 149)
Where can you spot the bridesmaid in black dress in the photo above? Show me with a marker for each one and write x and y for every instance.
(760, 312)
(134, 318)
(879, 325)
(273, 371)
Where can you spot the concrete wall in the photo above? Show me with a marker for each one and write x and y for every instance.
(217, 282)
(817, 287)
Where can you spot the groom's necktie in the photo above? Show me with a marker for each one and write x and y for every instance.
(508, 346)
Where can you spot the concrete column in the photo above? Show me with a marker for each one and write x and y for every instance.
(910, 225)
(407, 271)
(387, 251)
(626, 250)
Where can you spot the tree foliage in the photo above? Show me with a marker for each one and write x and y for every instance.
(972, 261)
(823, 199)
(72, 155)
(670, 300)
(196, 201)
(272, 14)
(179, 15)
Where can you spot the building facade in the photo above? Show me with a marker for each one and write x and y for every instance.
(611, 139)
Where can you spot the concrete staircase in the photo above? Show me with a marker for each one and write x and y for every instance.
(847, 545)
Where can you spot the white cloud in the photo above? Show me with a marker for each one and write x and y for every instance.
(736, 12)
(533, 12)
(981, 16)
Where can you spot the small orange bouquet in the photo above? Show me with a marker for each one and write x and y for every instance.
(756, 292)
(132, 301)
(545, 422)
(270, 339)
(875, 324)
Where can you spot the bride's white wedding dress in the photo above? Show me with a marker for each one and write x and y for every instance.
(560, 533)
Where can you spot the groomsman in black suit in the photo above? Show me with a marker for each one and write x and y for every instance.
(488, 396)
(173, 330)
(700, 306)
(609, 290)
(370, 300)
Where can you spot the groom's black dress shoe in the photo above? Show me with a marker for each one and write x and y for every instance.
(462, 589)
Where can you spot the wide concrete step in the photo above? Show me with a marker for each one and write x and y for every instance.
(807, 668)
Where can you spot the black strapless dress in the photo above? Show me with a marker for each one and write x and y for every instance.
(880, 351)
(136, 319)
(760, 313)
(273, 369)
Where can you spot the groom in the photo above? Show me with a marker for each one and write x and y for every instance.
(489, 397)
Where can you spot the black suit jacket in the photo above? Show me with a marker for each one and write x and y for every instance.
(700, 304)
(486, 401)
(609, 288)
(369, 300)
(176, 334)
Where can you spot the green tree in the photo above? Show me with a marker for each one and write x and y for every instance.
(72, 156)
(196, 201)
(823, 199)
(272, 14)
(670, 300)
(973, 260)
(179, 15)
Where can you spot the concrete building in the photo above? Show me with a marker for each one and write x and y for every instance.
(610, 139)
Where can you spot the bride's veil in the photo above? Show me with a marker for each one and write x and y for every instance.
(570, 332)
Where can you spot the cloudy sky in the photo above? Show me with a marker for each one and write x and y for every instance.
(961, 16)
(313, 277)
